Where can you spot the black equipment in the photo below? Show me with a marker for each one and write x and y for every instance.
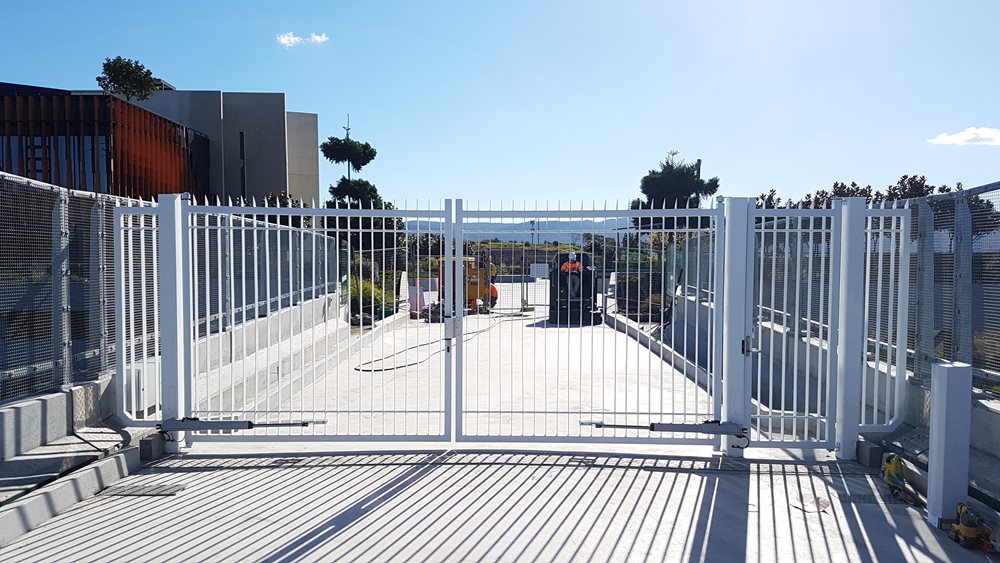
(573, 290)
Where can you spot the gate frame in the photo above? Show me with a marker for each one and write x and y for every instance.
(731, 398)
(720, 387)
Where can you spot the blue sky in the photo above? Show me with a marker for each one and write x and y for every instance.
(576, 100)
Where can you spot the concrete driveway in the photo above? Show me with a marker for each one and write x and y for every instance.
(245, 503)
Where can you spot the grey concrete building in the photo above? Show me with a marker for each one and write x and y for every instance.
(257, 148)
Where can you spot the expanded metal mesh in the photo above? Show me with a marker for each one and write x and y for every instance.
(56, 286)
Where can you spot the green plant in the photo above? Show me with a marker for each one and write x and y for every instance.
(367, 297)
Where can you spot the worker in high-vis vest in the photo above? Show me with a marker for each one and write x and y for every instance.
(572, 265)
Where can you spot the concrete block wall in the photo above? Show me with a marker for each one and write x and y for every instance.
(26, 425)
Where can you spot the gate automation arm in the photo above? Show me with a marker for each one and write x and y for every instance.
(194, 424)
(716, 427)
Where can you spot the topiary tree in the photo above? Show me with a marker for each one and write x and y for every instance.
(361, 233)
(126, 78)
(357, 155)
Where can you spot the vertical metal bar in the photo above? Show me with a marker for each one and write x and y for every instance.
(453, 312)
(811, 257)
(869, 246)
(319, 314)
(121, 309)
(97, 288)
(254, 227)
(155, 285)
(851, 340)
(772, 308)
(194, 400)
(833, 313)
(796, 339)
(173, 257)
(244, 325)
(135, 374)
(371, 312)
(62, 357)
(962, 272)
(926, 293)
(902, 314)
(875, 251)
(785, 315)
(230, 313)
(738, 288)
(302, 306)
(892, 303)
(718, 307)
(221, 285)
(267, 314)
(146, 278)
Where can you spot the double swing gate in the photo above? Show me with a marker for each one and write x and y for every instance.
(727, 325)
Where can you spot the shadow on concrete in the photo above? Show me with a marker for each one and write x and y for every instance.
(493, 504)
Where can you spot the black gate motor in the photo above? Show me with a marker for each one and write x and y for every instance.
(573, 290)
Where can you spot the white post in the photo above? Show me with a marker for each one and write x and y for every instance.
(948, 456)
(718, 317)
(451, 270)
(737, 292)
(175, 316)
(850, 354)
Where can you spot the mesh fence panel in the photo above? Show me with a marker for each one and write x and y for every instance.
(56, 286)
(955, 284)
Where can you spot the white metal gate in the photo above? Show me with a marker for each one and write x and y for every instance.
(525, 376)
(374, 324)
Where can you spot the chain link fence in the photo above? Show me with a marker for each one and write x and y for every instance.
(57, 287)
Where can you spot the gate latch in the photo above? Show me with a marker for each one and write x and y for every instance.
(747, 346)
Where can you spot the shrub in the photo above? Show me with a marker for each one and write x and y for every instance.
(367, 297)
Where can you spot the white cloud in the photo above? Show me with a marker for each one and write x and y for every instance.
(289, 39)
(321, 38)
(971, 136)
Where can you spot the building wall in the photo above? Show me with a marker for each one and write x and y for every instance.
(303, 156)
(261, 119)
(201, 110)
(98, 143)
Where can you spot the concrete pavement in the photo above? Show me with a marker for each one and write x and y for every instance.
(454, 505)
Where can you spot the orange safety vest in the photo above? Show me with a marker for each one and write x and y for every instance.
(572, 265)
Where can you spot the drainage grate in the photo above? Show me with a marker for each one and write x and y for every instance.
(143, 490)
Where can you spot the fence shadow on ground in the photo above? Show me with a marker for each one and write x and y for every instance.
(498, 505)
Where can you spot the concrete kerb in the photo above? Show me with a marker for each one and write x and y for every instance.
(28, 424)
(684, 366)
(38, 507)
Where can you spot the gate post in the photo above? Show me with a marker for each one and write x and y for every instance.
(737, 292)
(175, 313)
(850, 351)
